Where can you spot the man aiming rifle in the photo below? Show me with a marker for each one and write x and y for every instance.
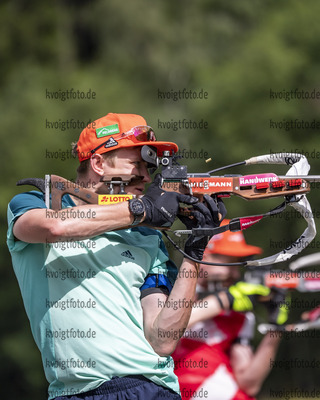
(92, 280)
(214, 359)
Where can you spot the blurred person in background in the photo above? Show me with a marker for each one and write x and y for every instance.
(214, 358)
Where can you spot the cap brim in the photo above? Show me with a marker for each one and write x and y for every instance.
(160, 146)
(235, 251)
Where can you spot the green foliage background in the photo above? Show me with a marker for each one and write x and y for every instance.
(127, 53)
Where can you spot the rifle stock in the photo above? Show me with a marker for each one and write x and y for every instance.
(249, 187)
(261, 186)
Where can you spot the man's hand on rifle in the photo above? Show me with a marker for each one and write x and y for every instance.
(161, 207)
(241, 296)
(278, 306)
(208, 214)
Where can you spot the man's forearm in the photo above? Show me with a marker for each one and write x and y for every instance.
(76, 223)
(250, 377)
(164, 332)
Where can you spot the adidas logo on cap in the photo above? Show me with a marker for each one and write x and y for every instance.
(110, 143)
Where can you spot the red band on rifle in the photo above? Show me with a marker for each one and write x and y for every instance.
(247, 222)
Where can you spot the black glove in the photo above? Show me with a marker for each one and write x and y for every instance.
(162, 207)
(203, 215)
(278, 306)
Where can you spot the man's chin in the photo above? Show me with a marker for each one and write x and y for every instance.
(131, 191)
(134, 191)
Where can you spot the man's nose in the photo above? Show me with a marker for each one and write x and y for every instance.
(145, 173)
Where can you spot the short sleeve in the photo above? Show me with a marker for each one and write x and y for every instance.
(156, 283)
(160, 281)
(246, 333)
(20, 204)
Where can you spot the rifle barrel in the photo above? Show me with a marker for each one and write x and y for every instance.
(309, 178)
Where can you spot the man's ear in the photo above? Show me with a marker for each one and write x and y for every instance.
(96, 162)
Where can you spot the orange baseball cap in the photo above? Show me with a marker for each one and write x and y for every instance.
(115, 131)
(231, 244)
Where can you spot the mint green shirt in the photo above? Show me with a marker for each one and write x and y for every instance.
(83, 302)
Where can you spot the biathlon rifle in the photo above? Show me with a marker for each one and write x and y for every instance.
(293, 187)
(285, 279)
(306, 261)
(312, 321)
